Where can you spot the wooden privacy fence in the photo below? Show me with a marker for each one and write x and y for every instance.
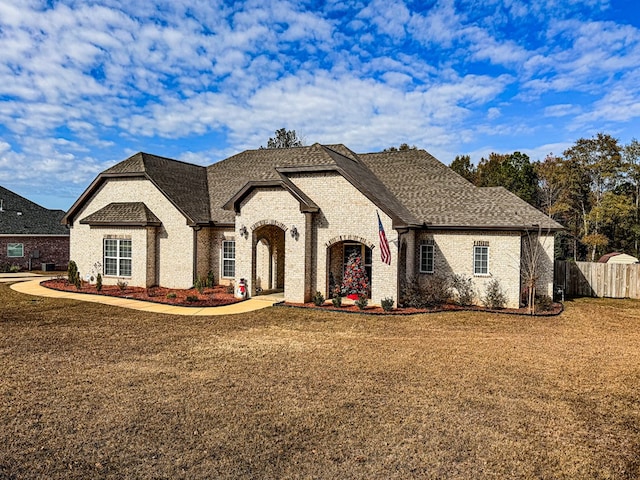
(589, 279)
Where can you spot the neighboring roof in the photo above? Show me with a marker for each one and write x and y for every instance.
(123, 214)
(617, 257)
(439, 197)
(410, 186)
(184, 184)
(19, 216)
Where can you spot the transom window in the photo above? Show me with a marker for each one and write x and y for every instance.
(427, 254)
(229, 258)
(117, 257)
(481, 260)
(15, 250)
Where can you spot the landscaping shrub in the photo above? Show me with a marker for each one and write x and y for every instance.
(14, 268)
(171, 295)
(494, 297)
(318, 299)
(544, 303)
(122, 285)
(99, 282)
(387, 304)
(199, 284)
(210, 279)
(337, 300)
(362, 302)
(425, 292)
(192, 298)
(231, 288)
(464, 289)
(73, 275)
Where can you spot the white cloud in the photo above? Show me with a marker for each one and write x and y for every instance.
(493, 113)
(84, 81)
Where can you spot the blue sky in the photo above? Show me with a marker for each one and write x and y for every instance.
(86, 84)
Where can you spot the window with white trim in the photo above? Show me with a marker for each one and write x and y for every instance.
(117, 257)
(15, 250)
(481, 259)
(427, 257)
(229, 258)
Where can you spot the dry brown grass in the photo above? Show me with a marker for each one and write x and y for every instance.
(91, 391)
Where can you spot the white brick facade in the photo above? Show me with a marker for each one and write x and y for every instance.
(168, 262)
(169, 254)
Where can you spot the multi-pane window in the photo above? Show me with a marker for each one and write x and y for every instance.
(15, 250)
(481, 260)
(426, 258)
(229, 258)
(117, 257)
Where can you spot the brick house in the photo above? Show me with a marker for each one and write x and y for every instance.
(31, 235)
(287, 219)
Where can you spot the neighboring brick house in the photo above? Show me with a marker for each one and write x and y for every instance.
(31, 235)
(286, 219)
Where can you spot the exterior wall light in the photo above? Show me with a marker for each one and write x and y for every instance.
(244, 232)
(294, 232)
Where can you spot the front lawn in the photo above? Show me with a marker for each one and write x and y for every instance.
(93, 391)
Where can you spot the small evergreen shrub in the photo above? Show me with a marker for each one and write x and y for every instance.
(192, 298)
(494, 297)
(73, 276)
(318, 299)
(231, 288)
(14, 268)
(122, 285)
(544, 303)
(463, 286)
(171, 295)
(210, 279)
(387, 304)
(337, 300)
(362, 302)
(99, 282)
(151, 292)
(199, 284)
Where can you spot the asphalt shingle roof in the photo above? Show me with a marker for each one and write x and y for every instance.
(184, 184)
(439, 197)
(411, 186)
(123, 213)
(20, 216)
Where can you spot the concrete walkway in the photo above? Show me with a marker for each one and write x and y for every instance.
(33, 287)
(22, 276)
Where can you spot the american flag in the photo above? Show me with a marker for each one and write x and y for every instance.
(385, 252)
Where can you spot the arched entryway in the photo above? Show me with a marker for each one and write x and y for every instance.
(268, 259)
(338, 255)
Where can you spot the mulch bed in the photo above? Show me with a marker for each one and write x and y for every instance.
(557, 308)
(210, 297)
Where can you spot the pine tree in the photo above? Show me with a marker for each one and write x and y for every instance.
(355, 280)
